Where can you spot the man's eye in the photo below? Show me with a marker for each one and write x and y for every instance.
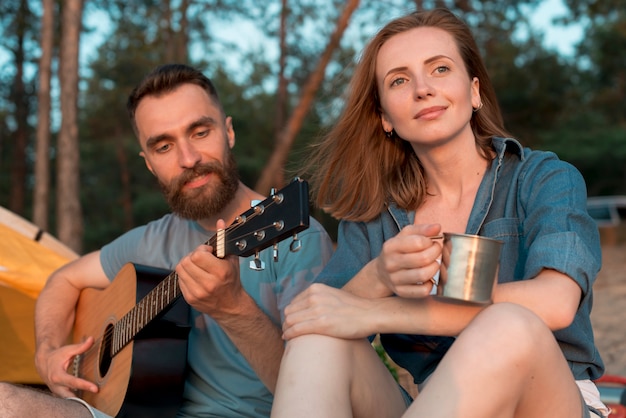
(162, 148)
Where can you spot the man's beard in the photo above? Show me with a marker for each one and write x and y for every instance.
(205, 201)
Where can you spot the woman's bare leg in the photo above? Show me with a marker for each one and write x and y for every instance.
(323, 376)
(506, 363)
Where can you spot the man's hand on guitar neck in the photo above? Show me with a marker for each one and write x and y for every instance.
(212, 286)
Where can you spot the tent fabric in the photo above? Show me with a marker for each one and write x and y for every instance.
(27, 258)
(25, 264)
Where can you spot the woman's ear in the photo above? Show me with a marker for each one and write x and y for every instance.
(386, 124)
(475, 90)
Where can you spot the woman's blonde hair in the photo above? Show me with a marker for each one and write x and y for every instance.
(355, 169)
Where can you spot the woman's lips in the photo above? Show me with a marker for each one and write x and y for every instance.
(430, 112)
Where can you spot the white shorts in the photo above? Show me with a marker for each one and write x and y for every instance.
(94, 412)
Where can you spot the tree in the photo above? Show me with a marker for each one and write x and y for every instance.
(592, 125)
(42, 153)
(20, 98)
(69, 213)
(272, 174)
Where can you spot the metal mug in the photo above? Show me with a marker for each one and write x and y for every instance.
(469, 268)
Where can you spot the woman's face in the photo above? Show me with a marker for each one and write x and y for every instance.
(425, 91)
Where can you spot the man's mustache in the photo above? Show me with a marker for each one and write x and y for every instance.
(197, 171)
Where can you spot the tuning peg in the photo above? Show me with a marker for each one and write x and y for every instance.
(275, 252)
(296, 244)
(277, 198)
(257, 264)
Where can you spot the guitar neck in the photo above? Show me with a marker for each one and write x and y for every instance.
(148, 308)
(154, 303)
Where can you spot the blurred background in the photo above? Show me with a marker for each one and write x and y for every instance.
(69, 159)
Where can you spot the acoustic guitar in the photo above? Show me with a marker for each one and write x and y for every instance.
(119, 315)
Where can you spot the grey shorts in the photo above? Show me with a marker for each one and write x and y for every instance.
(408, 399)
(94, 412)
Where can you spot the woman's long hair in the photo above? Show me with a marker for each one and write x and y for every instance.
(355, 170)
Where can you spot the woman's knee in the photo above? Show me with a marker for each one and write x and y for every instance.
(323, 345)
(512, 317)
(513, 329)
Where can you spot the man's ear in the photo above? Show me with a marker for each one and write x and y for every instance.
(145, 160)
(230, 131)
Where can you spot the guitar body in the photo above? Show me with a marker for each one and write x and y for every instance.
(146, 377)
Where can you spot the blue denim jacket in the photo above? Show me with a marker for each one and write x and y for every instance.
(536, 204)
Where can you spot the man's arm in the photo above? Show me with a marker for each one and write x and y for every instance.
(54, 319)
(212, 286)
(258, 339)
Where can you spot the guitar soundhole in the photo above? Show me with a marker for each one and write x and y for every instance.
(105, 351)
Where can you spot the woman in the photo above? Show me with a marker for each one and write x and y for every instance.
(419, 149)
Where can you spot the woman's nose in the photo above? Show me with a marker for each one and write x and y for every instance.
(423, 88)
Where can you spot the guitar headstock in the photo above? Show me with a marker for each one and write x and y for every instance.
(283, 214)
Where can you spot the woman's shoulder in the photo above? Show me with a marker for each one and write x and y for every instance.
(513, 152)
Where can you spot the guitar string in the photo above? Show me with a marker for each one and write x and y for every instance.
(124, 320)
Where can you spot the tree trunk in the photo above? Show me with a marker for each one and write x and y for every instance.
(272, 175)
(42, 147)
(69, 213)
(182, 40)
(20, 100)
(126, 198)
(281, 93)
(176, 37)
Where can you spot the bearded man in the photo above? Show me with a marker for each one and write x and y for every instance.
(235, 341)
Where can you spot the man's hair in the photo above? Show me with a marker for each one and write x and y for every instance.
(165, 79)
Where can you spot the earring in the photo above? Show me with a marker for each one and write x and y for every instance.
(389, 134)
(476, 109)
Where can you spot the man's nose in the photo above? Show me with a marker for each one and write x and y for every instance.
(188, 155)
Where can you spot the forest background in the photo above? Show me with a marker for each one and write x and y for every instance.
(69, 159)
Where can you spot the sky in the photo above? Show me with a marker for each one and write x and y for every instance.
(556, 37)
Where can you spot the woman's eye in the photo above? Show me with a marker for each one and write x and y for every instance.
(442, 69)
(398, 81)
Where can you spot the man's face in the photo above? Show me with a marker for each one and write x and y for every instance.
(186, 142)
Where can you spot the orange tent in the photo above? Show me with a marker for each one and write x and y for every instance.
(27, 257)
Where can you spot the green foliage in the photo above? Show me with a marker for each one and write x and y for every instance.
(382, 354)
(598, 151)
(573, 106)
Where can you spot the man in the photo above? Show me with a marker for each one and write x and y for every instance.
(235, 343)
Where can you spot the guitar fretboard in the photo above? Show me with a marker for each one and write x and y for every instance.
(155, 302)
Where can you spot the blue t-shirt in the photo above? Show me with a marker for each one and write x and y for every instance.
(220, 381)
(536, 204)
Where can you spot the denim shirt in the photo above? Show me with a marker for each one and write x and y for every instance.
(536, 204)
